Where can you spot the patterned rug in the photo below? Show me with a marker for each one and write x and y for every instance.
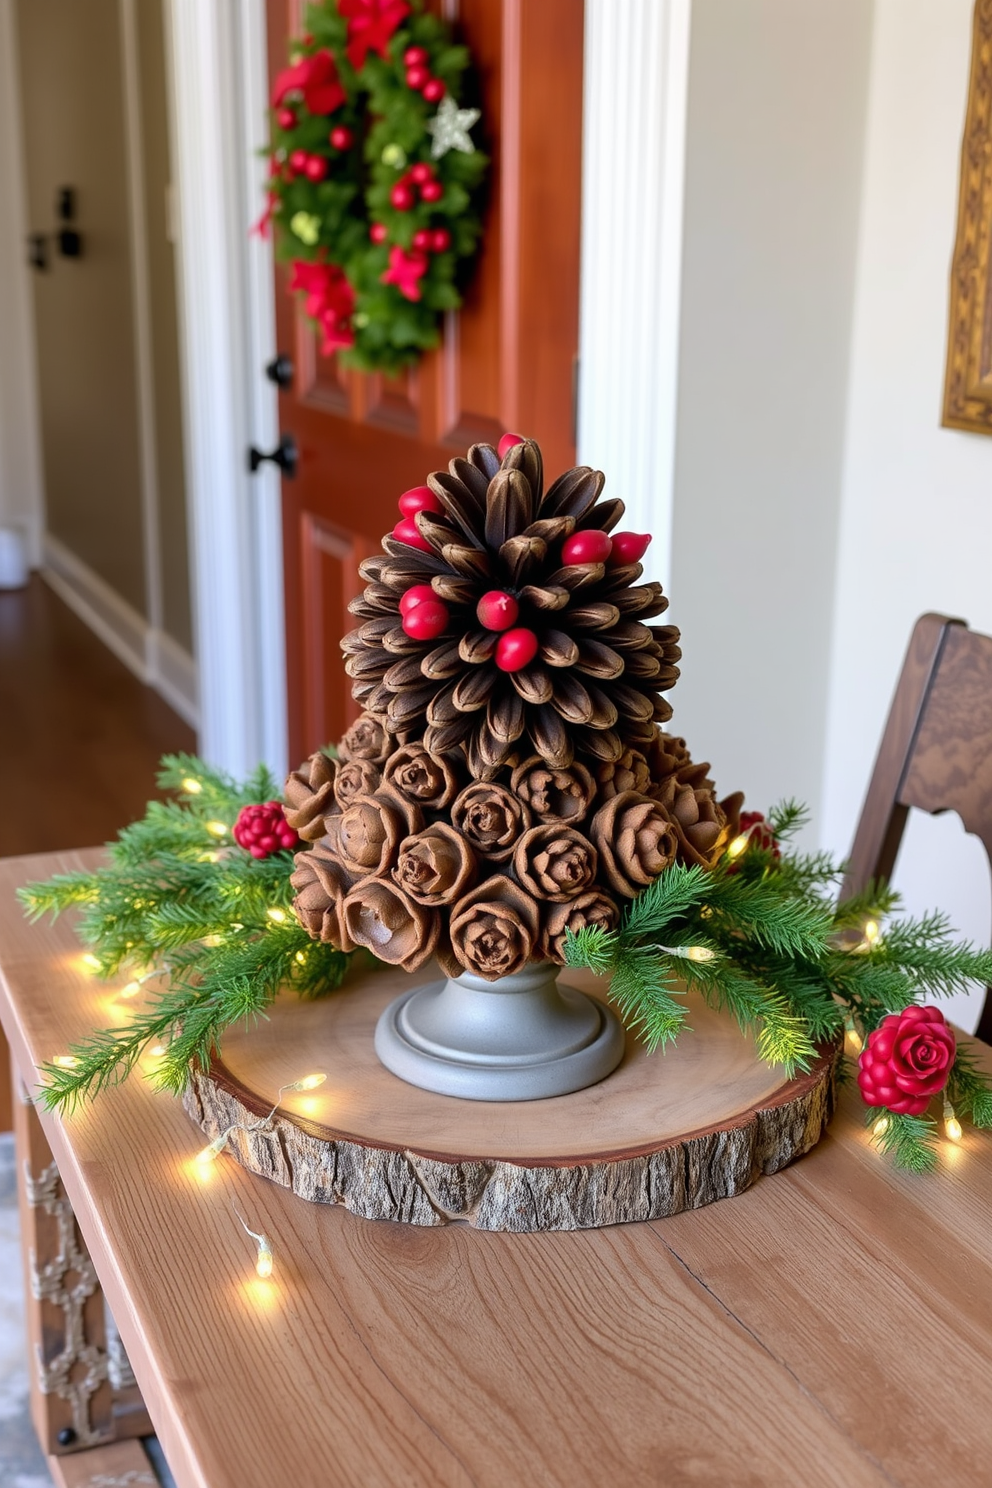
(22, 1464)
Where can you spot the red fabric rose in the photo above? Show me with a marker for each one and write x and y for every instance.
(907, 1060)
(316, 77)
(263, 830)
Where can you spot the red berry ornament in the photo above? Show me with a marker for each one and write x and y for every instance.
(440, 240)
(516, 649)
(408, 532)
(416, 77)
(298, 160)
(378, 232)
(341, 137)
(434, 90)
(263, 830)
(629, 547)
(315, 168)
(431, 191)
(507, 443)
(422, 239)
(414, 596)
(419, 498)
(421, 172)
(907, 1060)
(426, 621)
(415, 56)
(286, 119)
(590, 546)
(498, 611)
(402, 196)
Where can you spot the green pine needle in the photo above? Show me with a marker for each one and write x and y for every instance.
(911, 1141)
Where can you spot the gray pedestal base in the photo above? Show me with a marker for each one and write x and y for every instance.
(519, 1038)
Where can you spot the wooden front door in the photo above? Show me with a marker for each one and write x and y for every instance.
(507, 360)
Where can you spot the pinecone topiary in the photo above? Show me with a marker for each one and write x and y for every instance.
(534, 642)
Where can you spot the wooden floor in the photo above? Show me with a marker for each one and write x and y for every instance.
(80, 736)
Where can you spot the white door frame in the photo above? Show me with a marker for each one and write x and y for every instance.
(636, 80)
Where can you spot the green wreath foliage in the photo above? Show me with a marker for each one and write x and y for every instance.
(343, 233)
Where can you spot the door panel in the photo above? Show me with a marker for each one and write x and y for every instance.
(506, 360)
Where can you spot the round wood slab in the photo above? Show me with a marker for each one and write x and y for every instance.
(665, 1132)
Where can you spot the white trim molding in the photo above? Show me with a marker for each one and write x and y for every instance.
(633, 170)
(154, 657)
(218, 108)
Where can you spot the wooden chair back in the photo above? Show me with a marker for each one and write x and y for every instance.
(935, 753)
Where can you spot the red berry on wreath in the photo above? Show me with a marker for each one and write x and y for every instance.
(402, 196)
(516, 649)
(421, 172)
(427, 620)
(422, 239)
(416, 77)
(341, 137)
(507, 442)
(298, 160)
(414, 596)
(316, 168)
(431, 191)
(419, 498)
(408, 532)
(440, 240)
(629, 547)
(434, 90)
(263, 830)
(907, 1060)
(590, 546)
(415, 56)
(497, 610)
(286, 119)
(378, 232)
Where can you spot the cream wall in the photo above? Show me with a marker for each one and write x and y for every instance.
(916, 505)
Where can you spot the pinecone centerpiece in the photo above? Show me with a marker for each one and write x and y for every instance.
(508, 781)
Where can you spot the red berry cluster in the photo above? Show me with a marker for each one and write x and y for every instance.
(425, 616)
(301, 163)
(418, 75)
(263, 830)
(419, 178)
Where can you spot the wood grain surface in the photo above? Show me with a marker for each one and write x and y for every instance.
(663, 1133)
(831, 1326)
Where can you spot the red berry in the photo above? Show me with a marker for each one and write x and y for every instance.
(416, 77)
(298, 160)
(417, 595)
(315, 168)
(421, 172)
(262, 829)
(629, 547)
(422, 238)
(286, 119)
(341, 137)
(415, 56)
(440, 240)
(431, 191)
(507, 443)
(498, 611)
(589, 546)
(434, 90)
(378, 232)
(427, 620)
(419, 498)
(402, 196)
(408, 532)
(515, 649)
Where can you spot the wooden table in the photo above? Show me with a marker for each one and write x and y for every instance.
(833, 1325)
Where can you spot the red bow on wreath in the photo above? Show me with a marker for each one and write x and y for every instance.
(330, 300)
(316, 78)
(370, 25)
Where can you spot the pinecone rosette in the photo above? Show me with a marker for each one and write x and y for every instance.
(479, 813)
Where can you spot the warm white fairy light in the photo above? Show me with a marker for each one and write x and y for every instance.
(65, 1061)
(191, 786)
(263, 1263)
(214, 1149)
(91, 962)
(209, 857)
(300, 958)
(881, 1127)
(871, 932)
(738, 845)
(216, 829)
(854, 1040)
(687, 953)
(157, 1050)
(952, 1125)
(276, 915)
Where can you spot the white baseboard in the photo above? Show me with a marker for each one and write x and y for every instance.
(154, 657)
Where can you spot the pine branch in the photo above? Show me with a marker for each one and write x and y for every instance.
(911, 1141)
(969, 1089)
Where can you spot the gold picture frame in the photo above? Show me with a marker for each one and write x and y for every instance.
(968, 383)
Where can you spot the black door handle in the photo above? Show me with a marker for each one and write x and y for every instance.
(280, 371)
(285, 455)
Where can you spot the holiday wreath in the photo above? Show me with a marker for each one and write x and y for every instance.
(510, 795)
(374, 177)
